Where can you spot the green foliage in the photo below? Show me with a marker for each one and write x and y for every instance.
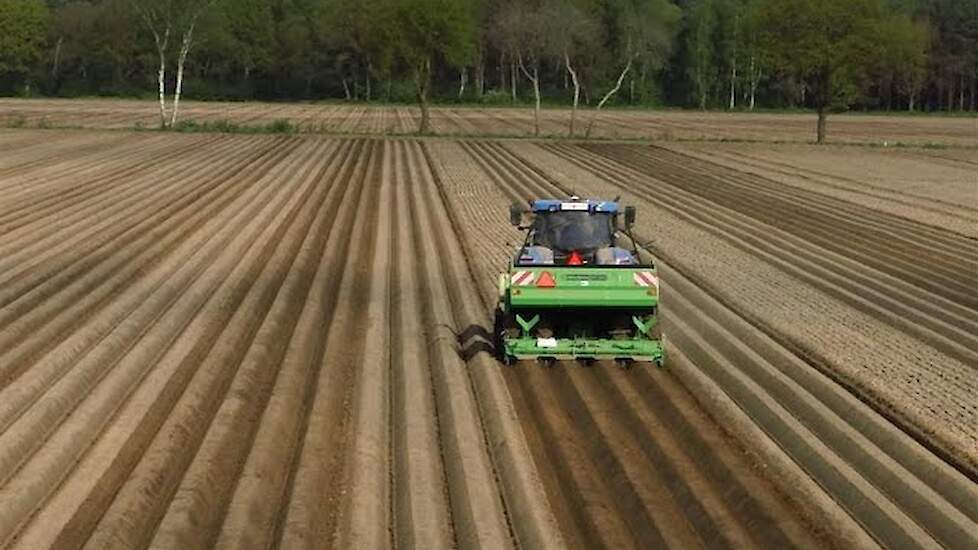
(702, 27)
(903, 46)
(422, 30)
(280, 126)
(22, 29)
(829, 45)
(710, 53)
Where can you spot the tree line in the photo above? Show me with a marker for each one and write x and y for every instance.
(827, 55)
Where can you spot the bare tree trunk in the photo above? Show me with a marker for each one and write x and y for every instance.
(188, 38)
(607, 96)
(534, 78)
(972, 106)
(822, 124)
(536, 94)
(346, 89)
(368, 86)
(733, 63)
(913, 99)
(733, 87)
(950, 96)
(57, 57)
(755, 78)
(161, 73)
(480, 77)
(422, 76)
(503, 80)
(577, 92)
(701, 82)
(961, 94)
(512, 79)
(463, 80)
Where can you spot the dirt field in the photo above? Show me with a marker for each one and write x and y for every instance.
(254, 341)
(501, 122)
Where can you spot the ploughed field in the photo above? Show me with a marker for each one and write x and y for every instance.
(255, 341)
(499, 122)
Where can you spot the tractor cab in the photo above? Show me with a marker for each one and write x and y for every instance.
(573, 233)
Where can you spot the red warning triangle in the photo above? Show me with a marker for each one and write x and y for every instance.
(546, 280)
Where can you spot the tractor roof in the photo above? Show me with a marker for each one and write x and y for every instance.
(592, 206)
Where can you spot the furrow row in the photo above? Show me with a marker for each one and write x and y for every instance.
(852, 452)
(617, 472)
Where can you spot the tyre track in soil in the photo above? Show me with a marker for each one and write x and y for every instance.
(897, 491)
(618, 470)
(201, 423)
(41, 196)
(12, 185)
(14, 140)
(957, 324)
(530, 521)
(33, 323)
(938, 261)
(24, 391)
(34, 481)
(227, 390)
(946, 326)
(67, 212)
(230, 390)
(838, 182)
(24, 145)
(101, 464)
(62, 150)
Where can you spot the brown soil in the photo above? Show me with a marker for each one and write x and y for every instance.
(259, 341)
(933, 187)
(500, 122)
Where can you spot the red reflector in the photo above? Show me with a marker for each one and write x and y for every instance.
(575, 259)
(546, 280)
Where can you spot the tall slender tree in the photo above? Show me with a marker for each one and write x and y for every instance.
(701, 43)
(170, 20)
(574, 37)
(640, 31)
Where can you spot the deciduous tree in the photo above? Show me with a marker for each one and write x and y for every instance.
(166, 20)
(903, 50)
(22, 31)
(826, 44)
(640, 31)
(574, 39)
(428, 30)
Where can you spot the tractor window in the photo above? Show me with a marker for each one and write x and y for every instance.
(567, 231)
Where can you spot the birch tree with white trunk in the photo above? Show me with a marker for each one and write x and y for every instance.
(165, 19)
(643, 31)
(574, 44)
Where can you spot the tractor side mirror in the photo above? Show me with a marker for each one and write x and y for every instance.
(629, 216)
(516, 214)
